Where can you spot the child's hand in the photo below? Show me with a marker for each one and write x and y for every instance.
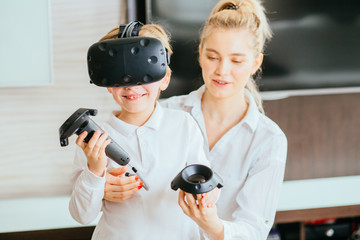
(120, 188)
(95, 151)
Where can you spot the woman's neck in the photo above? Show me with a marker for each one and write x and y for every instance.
(224, 110)
(220, 115)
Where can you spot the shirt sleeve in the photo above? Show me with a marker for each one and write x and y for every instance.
(88, 191)
(258, 199)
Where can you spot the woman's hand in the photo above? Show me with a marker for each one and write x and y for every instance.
(118, 187)
(95, 151)
(205, 215)
(209, 199)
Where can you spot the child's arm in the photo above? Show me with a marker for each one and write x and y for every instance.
(88, 191)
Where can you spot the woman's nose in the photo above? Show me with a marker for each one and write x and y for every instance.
(222, 68)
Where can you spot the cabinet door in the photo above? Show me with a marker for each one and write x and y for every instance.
(25, 43)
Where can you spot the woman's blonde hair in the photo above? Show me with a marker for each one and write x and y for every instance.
(244, 14)
(148, 30)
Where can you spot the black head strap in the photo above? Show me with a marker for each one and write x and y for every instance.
(131, 29)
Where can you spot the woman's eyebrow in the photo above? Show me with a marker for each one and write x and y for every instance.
(232, 54)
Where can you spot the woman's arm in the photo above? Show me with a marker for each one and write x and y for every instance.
(204, 215)
(254, 204)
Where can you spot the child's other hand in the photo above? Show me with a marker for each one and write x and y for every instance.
(95, 151)
(118, 187)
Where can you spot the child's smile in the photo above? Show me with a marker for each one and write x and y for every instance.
(133, 97)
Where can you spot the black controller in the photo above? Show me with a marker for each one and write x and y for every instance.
(79, 122)
(196, 179)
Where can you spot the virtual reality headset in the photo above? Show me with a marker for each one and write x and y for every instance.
(127, 61)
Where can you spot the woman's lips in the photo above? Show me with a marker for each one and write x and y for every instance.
(219, 82)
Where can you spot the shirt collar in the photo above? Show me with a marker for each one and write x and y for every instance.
(251, 118)
(126, 129)
(194, 98)
(253, 114)
(155, 120)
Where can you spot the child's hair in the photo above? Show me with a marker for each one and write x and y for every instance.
(148, 30)
(244, 14)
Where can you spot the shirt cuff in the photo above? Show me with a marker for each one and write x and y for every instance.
(92, 180)
(227, 230)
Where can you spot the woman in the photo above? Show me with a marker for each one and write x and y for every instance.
(246, 148)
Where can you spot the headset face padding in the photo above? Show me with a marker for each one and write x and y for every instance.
(127, 62)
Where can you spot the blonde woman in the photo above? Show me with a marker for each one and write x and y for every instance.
(246, 148)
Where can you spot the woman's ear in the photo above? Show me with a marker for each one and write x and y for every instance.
(109, 90)
(257, 63)
(165, 81)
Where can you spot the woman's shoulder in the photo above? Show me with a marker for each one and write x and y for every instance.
(176, 114)
(174, 102)
(178, 118)
(270, 127)
(183, 101)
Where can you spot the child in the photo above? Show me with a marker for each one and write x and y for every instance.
(160, 142)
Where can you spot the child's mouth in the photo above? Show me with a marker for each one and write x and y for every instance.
(133, 97)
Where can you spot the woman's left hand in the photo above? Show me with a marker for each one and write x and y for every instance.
(205, 215)
(209, 199)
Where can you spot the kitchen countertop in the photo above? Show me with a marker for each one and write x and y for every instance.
(29, 214)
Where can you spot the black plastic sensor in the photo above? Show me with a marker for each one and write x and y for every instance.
(196, 179)
(127, 62)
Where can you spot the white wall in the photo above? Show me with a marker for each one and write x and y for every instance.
(32, 163)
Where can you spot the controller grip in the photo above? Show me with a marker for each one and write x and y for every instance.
(116, 153)
(113, 150)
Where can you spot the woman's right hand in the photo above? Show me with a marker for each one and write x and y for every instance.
(119, 187)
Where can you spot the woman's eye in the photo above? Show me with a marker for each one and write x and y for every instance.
(211, 58)
(237, 61)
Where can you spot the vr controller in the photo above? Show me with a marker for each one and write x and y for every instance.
(196, 179)
(127, 62)
(79, 122)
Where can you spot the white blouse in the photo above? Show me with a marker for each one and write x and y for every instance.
(159, 150)
(250, 158)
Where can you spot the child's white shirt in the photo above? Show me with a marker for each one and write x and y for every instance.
(160, 149)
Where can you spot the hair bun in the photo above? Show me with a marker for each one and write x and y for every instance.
(230, 6)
